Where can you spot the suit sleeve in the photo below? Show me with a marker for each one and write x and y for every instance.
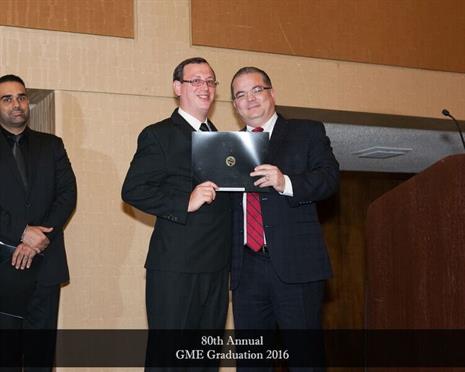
(321, 176)
(64, 202)
(6, 228)
(146, 186)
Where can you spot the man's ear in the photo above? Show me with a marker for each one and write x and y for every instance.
(177, 87)
(273, 94)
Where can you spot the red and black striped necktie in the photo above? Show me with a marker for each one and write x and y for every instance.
(255, 233)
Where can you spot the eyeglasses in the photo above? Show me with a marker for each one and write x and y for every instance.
(199, 82)
(254, 92)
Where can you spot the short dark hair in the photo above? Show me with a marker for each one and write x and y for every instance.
(250, 70)
(178, 73)
(14, 78)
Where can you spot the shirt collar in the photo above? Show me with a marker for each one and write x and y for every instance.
(194, 122)
(10, 136)
(268, 126)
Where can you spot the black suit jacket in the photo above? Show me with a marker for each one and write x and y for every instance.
(159, 182)
(49, 200)
(301, 150)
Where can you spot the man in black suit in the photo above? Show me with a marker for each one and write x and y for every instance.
(37, 197)
(279, 259)
(189, 252)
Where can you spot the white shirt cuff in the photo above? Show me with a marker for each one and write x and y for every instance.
(288, 191)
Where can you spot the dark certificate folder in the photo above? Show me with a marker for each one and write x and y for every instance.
(16, 286)
(227, 158)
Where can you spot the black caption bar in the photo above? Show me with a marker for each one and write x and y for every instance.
(254, 348)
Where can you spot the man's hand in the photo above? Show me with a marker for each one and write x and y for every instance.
(35, 238)
(22, 256)
(203, 193)
(271, 176)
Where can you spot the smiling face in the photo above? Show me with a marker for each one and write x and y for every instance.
(195, 100)
(14, 106)
(254, 109)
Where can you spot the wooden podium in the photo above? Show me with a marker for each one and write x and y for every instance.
(416, 252)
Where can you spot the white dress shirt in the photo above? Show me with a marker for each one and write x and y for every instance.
(288, 191)
(194, 122)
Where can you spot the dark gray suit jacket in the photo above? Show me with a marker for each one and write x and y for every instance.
(159, 182)
(49, 200)
(301, 150)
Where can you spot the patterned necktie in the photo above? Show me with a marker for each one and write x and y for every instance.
(255, 233)
(18, 155)
(204, 127)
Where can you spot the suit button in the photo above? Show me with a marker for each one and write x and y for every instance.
(28, 205)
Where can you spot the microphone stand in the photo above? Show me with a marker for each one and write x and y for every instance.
(448, 114)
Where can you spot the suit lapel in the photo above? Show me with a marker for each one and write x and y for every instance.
(185, 141)
(277, 137)
(8, 161)
(33, 157)
(182, 125)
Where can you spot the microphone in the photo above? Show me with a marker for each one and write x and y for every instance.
(448, 114)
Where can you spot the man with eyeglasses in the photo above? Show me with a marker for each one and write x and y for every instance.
(279, 259)
(189, 252)
(37, 197)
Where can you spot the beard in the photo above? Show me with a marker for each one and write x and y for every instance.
(14, 119)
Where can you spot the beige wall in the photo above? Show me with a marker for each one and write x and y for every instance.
(108, 89)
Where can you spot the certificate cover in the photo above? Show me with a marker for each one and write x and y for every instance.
(227, 158)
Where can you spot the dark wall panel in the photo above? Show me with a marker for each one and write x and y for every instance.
(425, 34)
(99, 17)
(343, 218)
